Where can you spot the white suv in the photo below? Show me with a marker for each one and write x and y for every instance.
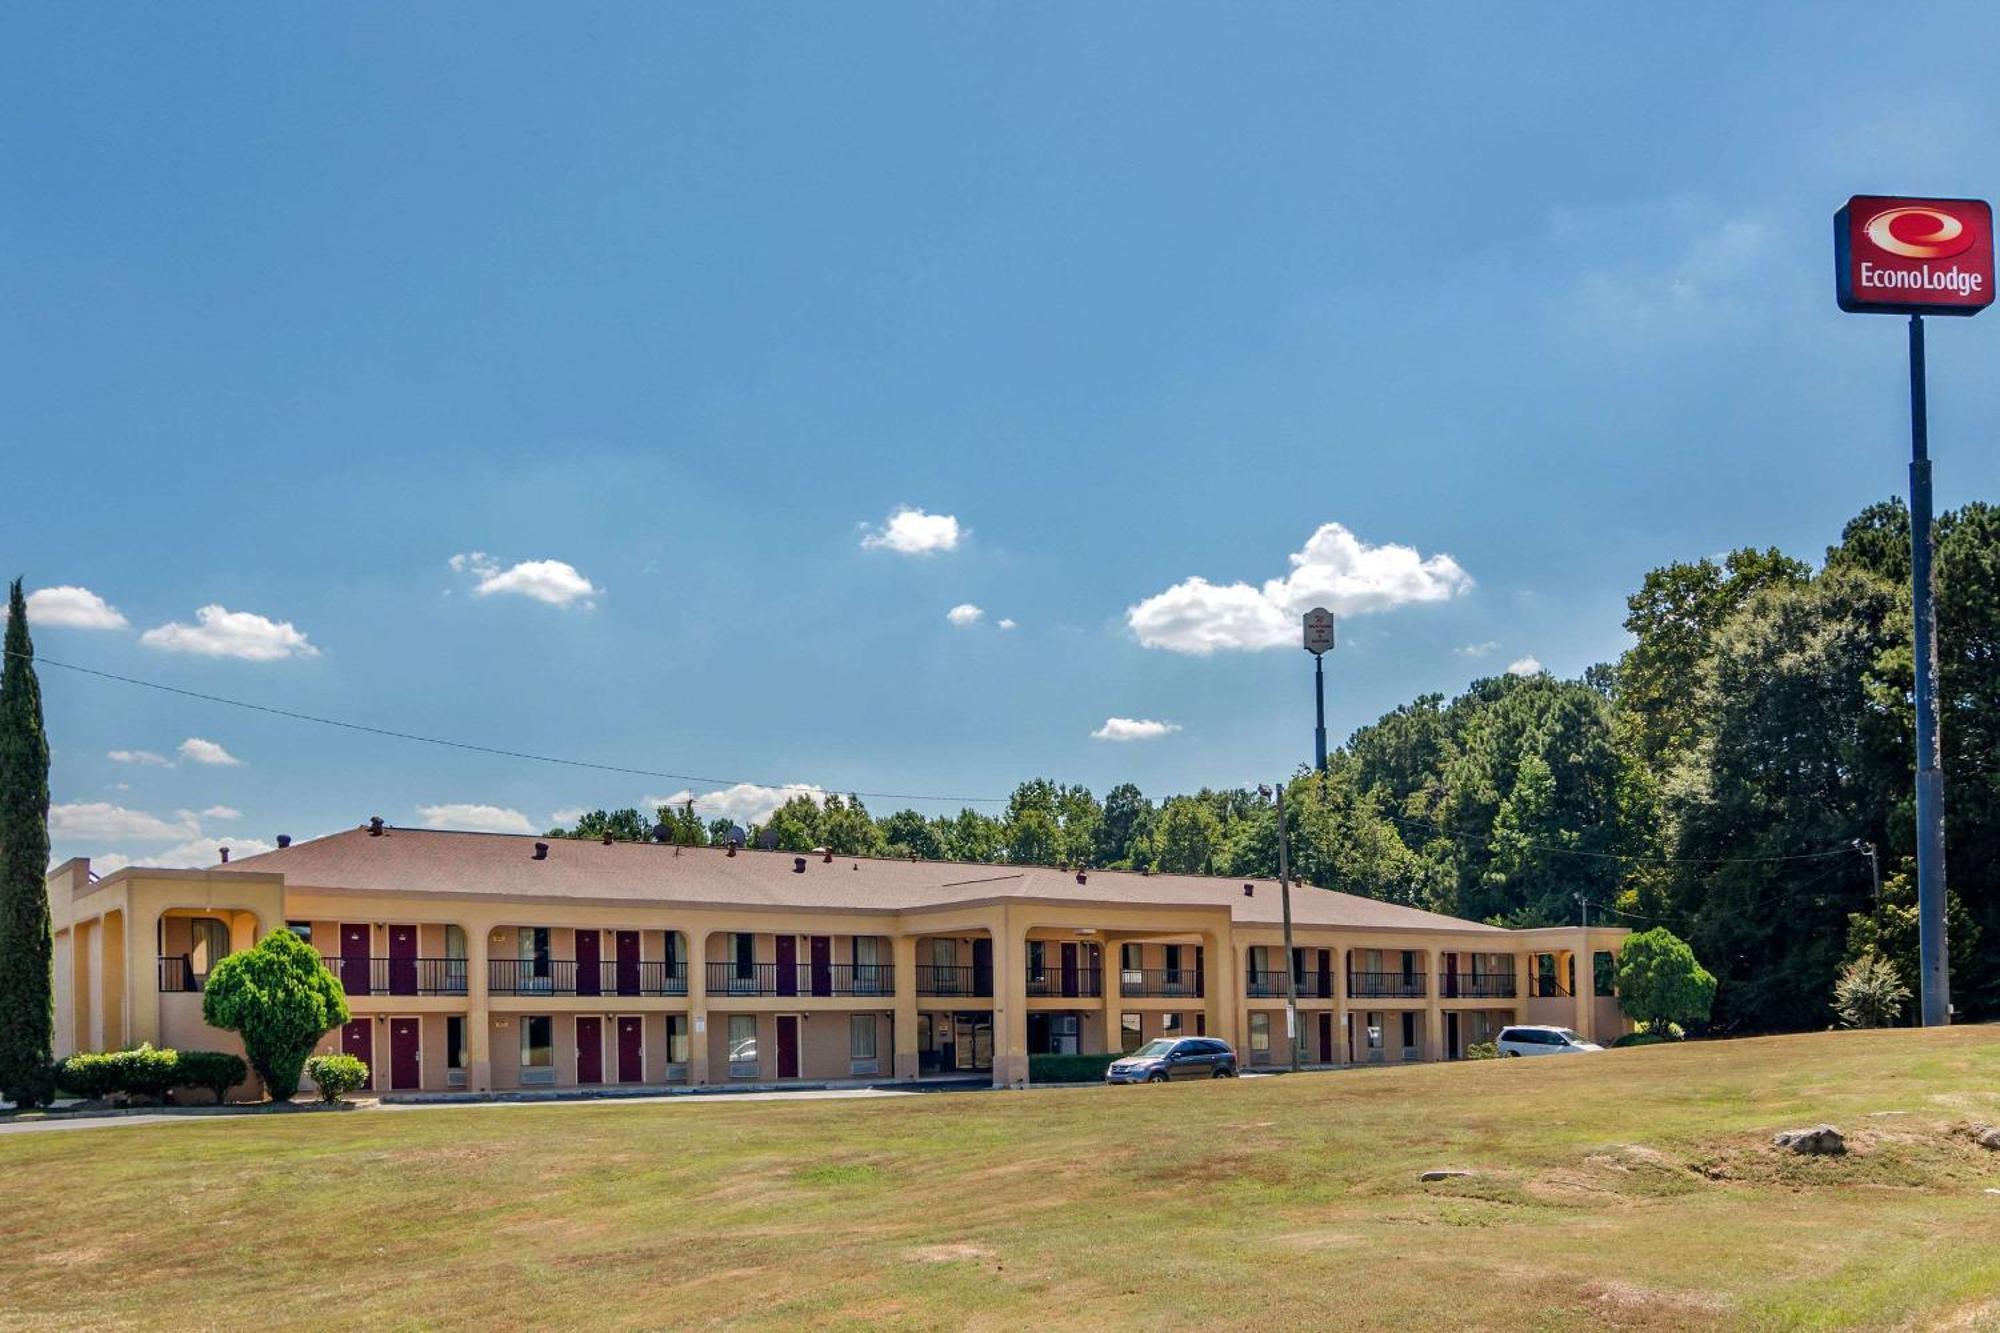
(1542, 1041)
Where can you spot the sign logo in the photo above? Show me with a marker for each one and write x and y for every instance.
(1908, 256)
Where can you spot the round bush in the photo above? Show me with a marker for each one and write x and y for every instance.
(282, 1000)
(92, 1075)
(336, 1074)
(217, 1071)
(1483, 1050)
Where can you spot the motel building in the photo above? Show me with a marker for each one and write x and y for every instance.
(486, 962)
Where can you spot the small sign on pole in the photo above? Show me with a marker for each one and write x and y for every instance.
(1319, 631)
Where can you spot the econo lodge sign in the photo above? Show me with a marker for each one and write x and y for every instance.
(1899, 256)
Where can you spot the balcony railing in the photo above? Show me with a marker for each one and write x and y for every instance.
(943, 979)
(1547, 988)
(1270, 985)
(1083, 982)
(1160, 983)
(177, 974)
(1385, 985)
(399, 976)
(565, 976)
(818, 980)
(1464, 986)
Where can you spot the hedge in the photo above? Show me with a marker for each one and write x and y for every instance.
(1641, 1039)
(336, 1074)
(148, 1071)
(1483, 1050)
(1068, 1068)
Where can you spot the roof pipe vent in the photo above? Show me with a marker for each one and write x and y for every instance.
(1249, 890)
(284, 841)
(732, 849)
(798, 865)
(661, 833)
(541, 851)
(828, 856)
(223, 852)
(1082, 877)
(375, 827)
(607, 839)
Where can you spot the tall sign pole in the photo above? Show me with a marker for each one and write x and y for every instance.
(1917, 257)
(1319, 642)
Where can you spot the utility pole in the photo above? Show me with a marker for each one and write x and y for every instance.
(1319, 642)
(1294, 1038)
(1867, 849)
(1933, 962)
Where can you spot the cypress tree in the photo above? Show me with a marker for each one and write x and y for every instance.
(27, 1001)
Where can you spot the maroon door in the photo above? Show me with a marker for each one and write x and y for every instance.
(406, 1054)
(589, 1050)
(788, 1045)
(589, 964)
(1325, 1033)
(631, 1051)
(1326, 976)
(628, 963)
(354, 949)
(788, 965)
(822, 964)
(357, 1038)
(1200, 972)
(402, 960)
(1069, 979)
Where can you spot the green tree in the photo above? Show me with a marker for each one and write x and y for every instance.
(1869, 992)
(281, 999)
(1187, 837)
(626, 825)
(1126, 822)
(1660, 982)
(907, 833)
(847, 830)
(27, 1003)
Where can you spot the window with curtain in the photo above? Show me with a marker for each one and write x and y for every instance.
(743, 1045)
(209, 943)
(1130, 1035)
(454, 1042)
(1260, 1032)
(538, 1050)
(867, 972)
(677, 1039)
(454, 960)
(861, 1037)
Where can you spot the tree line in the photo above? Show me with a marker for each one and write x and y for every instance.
(1725, 778)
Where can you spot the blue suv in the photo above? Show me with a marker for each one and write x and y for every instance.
(1166, 1058)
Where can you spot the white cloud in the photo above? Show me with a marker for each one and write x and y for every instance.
(965, 613)
(198, 751)
(913, 532)
(198, 853)
(566, 817)
(1133, 729)
(744, 803)
(222, 812)
(101, 821)
(1526, 666)
(1006, 622)
(1335, 569)
(78, 608)
(1477, 649)
(139, 757)
(475, 818)
(556, 582)
(225, 633)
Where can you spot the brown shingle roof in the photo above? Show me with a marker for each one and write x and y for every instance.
(431, 861)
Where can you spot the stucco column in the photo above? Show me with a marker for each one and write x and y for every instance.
(1222, 990)
(1434, 1008)
(120, 984)
(698, 1009)
(1010, 1004)
(903, 953)
(1340, 1004)
(1586, 988)
(1112, 981)
(478, 1016)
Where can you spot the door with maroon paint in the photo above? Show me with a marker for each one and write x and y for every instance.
(822, 964)
(788, 965)
(628, 962)
(589, 1049)
(631, 1050)
(589, 963)
(1069, 977)
(402, 960)
(406, 1054)
(788, 1045)
(354, 951)
(357, 1038)
(1325, 1034)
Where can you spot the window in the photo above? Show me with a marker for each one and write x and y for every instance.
(1064, 1036)
(302, 929)
(209, 943)
(673, 952)
(1038, 961)
(538, 1049)
(1173, 964)
(1374, 1032)
(454, 960)
(867, 965)
(861, 1049)
(1605, 968)
(1409, 1031)
(454, 1042)
(944, 953)
(535, 953)
(677, 1037)
(743, 1046)
(1299, 969)
(743, 948)
(1130, 1034)
(1170, 1025)
(1260, 1033)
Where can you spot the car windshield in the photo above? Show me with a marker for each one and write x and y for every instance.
(1569, 1036)
(1153, 1050)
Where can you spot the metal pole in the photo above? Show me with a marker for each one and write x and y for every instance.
(1319, 699)
(1934, 961)
(1292, 1034)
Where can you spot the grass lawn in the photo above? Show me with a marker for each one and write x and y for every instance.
(1631, 1189)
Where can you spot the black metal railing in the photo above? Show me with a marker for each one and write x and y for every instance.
(1385, 985)
(943, 979)
(1160, 983)
(177, 974)
(400, 976)
(819, 980)
(1465, 986)
(1547, 988)
(1080, 982)
(1270, 985)
(565, 976)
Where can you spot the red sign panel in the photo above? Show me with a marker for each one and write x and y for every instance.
(1902, 256)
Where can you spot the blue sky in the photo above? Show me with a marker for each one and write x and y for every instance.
(655, 316)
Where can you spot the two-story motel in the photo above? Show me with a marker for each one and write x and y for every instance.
(486, 962)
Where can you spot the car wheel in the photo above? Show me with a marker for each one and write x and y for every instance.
(1513, 1055)
(1156, 1076)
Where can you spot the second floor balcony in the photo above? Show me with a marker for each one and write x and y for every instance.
(808, 979)
(565, 976)
(948, 980)
(1066, 982)
(1270, 985)
(1161, 983)
(1385, 985)
(1486, 986)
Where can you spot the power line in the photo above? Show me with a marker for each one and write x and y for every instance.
(474, 748)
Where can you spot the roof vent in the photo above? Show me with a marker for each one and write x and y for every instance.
(375, 827)
(541, 851)
(798, 865)
(607, 839)
(1082, 877)
(732, 849)
(223, 852)
(1249, 890)
(284, 841)
(661, 833)
(828, 855)
(1146, 872)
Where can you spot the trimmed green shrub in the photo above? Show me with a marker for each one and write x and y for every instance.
(282, 999)
(1642, 1039)
(1068, 1068)
(217, 1071)
(336, 1074)
(89, 1074)
(145, 1071)
(1660, 982)
(1483, 1050)
(139, 1071)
